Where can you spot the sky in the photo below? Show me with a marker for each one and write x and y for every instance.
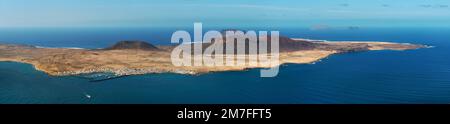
(163, 13)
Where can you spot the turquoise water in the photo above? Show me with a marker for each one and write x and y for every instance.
(414, 76)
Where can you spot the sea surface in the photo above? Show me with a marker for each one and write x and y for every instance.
(413, 76)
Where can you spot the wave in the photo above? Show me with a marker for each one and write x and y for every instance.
(59, 47)
(310, 40)
(428, 46)
(313, 40)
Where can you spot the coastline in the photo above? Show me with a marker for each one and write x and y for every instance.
(67, 61)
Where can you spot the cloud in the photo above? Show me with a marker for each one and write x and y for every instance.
(434, 6)
(443, 6)
(344, 5)
(250, 6)
(426, 6)
(353, 27)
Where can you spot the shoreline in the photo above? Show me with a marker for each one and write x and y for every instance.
(122, 62)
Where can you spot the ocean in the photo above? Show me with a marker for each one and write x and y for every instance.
(373, 77)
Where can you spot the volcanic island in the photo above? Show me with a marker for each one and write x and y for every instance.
(139, 57)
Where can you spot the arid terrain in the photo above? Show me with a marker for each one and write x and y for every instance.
(136, 57)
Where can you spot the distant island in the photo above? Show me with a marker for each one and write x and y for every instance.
(139, 57)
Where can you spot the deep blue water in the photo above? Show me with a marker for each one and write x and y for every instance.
(414, 76)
